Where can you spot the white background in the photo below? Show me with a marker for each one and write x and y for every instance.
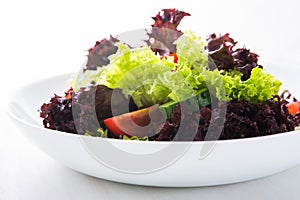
(45, 38)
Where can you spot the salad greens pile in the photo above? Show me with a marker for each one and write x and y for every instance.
(184, 67)
(150, 79)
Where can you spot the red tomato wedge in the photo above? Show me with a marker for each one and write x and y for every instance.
(294, 107)
(139, 123)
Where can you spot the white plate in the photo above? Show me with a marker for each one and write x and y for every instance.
(167, 164)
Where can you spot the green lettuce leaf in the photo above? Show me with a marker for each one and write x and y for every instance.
(192, 59)
(146, 77)
(100, 133)
(191, 52)
(136, 138)
(258, 88)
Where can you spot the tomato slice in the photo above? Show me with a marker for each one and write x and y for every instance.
(139, 123)
(294, 107)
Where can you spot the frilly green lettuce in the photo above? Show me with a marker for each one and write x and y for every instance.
(192, 59)
(100, 133)
(136, 138)
(260, 87)
(150, 79)
(191, 51)
(145, 76)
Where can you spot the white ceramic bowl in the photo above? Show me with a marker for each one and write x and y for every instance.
(229, 161)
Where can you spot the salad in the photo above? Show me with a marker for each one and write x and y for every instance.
(176, 86)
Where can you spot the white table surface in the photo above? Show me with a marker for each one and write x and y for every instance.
(40, 39)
